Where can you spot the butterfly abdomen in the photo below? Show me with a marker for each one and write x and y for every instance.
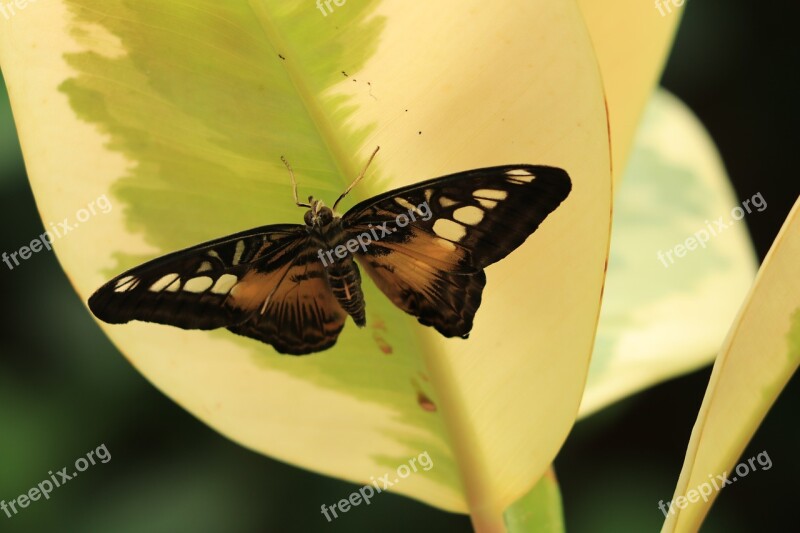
(342, 273)
(345, 282)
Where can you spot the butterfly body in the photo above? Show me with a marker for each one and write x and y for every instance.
(341, 273)
(292, 286)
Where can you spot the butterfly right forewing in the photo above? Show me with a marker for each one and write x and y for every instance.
(432, 267)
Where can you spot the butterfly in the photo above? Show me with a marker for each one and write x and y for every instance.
(293, 285)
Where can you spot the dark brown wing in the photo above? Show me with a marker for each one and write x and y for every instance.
(226, 283)
(297, 312)
(444, 231)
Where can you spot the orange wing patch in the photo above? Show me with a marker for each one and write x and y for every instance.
(436, 288)
(293, 308)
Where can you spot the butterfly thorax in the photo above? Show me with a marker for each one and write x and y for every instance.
(341, 271)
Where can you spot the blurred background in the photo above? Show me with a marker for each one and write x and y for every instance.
(64, 389)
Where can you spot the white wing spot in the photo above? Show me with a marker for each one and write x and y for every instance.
(487, 204)
(519, 174)
(205, 266)
(447, 229)
(163, 283)
(125, 281)
(490, 194)
(402, 202)
(199, 284)
(224, 284)
(237, 255)
(214, 254)
(468, 215)
(125, 284)
(445, 202)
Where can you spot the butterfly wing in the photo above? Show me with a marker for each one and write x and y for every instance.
(259, 283)
(302, 315)
(435, 238)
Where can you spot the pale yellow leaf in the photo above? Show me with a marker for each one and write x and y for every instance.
(759, 356)
(664, 314)
(179, 112)
(632, 39)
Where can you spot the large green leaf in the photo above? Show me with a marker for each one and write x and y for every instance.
(179, 113)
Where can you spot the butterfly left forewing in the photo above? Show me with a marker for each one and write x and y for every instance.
(432, 267)
(199, 287)
(265, 283)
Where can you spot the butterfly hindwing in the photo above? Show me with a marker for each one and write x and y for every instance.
(226, 283)
(302, 315)
(454, 226)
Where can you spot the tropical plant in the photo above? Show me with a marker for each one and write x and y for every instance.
(180, 112)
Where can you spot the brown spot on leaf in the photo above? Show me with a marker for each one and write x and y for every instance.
(426, 403)
(384, 346)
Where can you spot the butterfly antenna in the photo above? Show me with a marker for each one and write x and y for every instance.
(355, 181)
(294, 184)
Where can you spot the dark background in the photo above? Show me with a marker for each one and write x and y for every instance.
(64, 389)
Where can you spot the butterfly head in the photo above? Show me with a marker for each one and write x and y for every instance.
(319, 215)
